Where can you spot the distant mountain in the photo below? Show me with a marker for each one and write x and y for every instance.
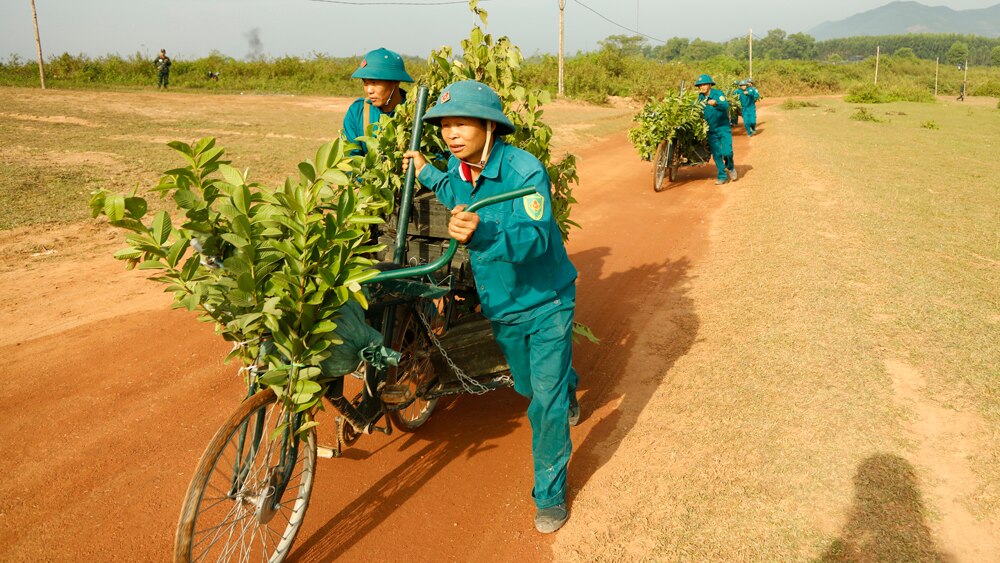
(898, 18)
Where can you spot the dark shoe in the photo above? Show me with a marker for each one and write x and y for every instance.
(574, 410)
(550, 519)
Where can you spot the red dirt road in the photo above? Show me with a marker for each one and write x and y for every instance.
(111, 397)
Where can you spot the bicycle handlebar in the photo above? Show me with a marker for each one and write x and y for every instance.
(445, 258)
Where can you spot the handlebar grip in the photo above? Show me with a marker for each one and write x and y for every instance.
(445, 258)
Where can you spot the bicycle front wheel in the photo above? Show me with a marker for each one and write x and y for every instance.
(250, 490)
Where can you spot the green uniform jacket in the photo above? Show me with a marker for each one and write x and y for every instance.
(518, 258)
(717, 116)
(748, 99)
(354, 120)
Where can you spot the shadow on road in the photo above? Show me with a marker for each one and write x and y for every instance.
(646, 321)
(888, 519)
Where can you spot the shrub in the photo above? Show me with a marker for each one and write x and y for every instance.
(872, 94)
(930, 124)
(862, 114)
(796, 104)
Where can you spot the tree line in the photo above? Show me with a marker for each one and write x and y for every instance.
(778, 45)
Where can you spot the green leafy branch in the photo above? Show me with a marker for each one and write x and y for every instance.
(265, 265)
(677, 117)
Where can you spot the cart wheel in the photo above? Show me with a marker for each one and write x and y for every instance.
(664, 152)
(250, 490)
(415, 370)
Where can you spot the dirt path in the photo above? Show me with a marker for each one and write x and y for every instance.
(111, 397)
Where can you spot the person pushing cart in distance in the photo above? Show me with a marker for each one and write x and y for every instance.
(720, 135)
(380, 72)
(525, 280)
(748, 101)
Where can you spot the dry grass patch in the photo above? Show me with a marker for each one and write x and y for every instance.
(783, 435)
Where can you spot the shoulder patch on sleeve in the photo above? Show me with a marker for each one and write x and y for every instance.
(534, 206)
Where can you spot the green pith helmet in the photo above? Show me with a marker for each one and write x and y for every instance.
(382, 64)
(469, 98)
(749, 81)
(704, 79)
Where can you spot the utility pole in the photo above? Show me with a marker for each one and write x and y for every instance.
(965, 79)
(937, 65)
(562, 30)
(878, 50)
(38, 43)
(751, 52)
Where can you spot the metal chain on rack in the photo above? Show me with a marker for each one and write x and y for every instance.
(468, 383)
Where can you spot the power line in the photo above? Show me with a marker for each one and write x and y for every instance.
(395, 3)
(635, 31)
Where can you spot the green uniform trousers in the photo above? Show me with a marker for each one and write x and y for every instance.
(540, 354)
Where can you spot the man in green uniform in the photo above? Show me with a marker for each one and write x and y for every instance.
(162, 64)
(748, 100)
(380, 71)
(720, 136)
(525, 280)
(734, 110)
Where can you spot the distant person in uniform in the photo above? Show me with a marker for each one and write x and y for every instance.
(525, 280)
(748, 101)
(720, 134)
(162, 64)
(380, 72)
(734, 116)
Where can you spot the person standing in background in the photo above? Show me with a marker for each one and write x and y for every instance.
(162, 64)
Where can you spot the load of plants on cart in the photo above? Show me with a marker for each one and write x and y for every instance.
(279, 270)
(677, 117)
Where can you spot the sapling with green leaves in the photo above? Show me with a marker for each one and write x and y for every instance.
(264, 265)
(677, 117)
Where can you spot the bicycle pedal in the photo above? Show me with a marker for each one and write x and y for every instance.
(327, 452)
(396, 394)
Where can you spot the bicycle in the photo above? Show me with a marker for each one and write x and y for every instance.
(253, 483)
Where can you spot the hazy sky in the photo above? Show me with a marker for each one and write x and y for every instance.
(193, 28)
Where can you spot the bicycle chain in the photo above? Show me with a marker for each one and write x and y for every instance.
(469, 384)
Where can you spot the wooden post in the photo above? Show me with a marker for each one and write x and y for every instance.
(878, 49)
(965, 79)
(562, 30)
(38, 43)
(937, 65)
(751, 52)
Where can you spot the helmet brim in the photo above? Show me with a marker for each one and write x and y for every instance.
(382, 74)
(455, 109)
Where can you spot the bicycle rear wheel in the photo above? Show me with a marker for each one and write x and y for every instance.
(415, 370)
(250, 490)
